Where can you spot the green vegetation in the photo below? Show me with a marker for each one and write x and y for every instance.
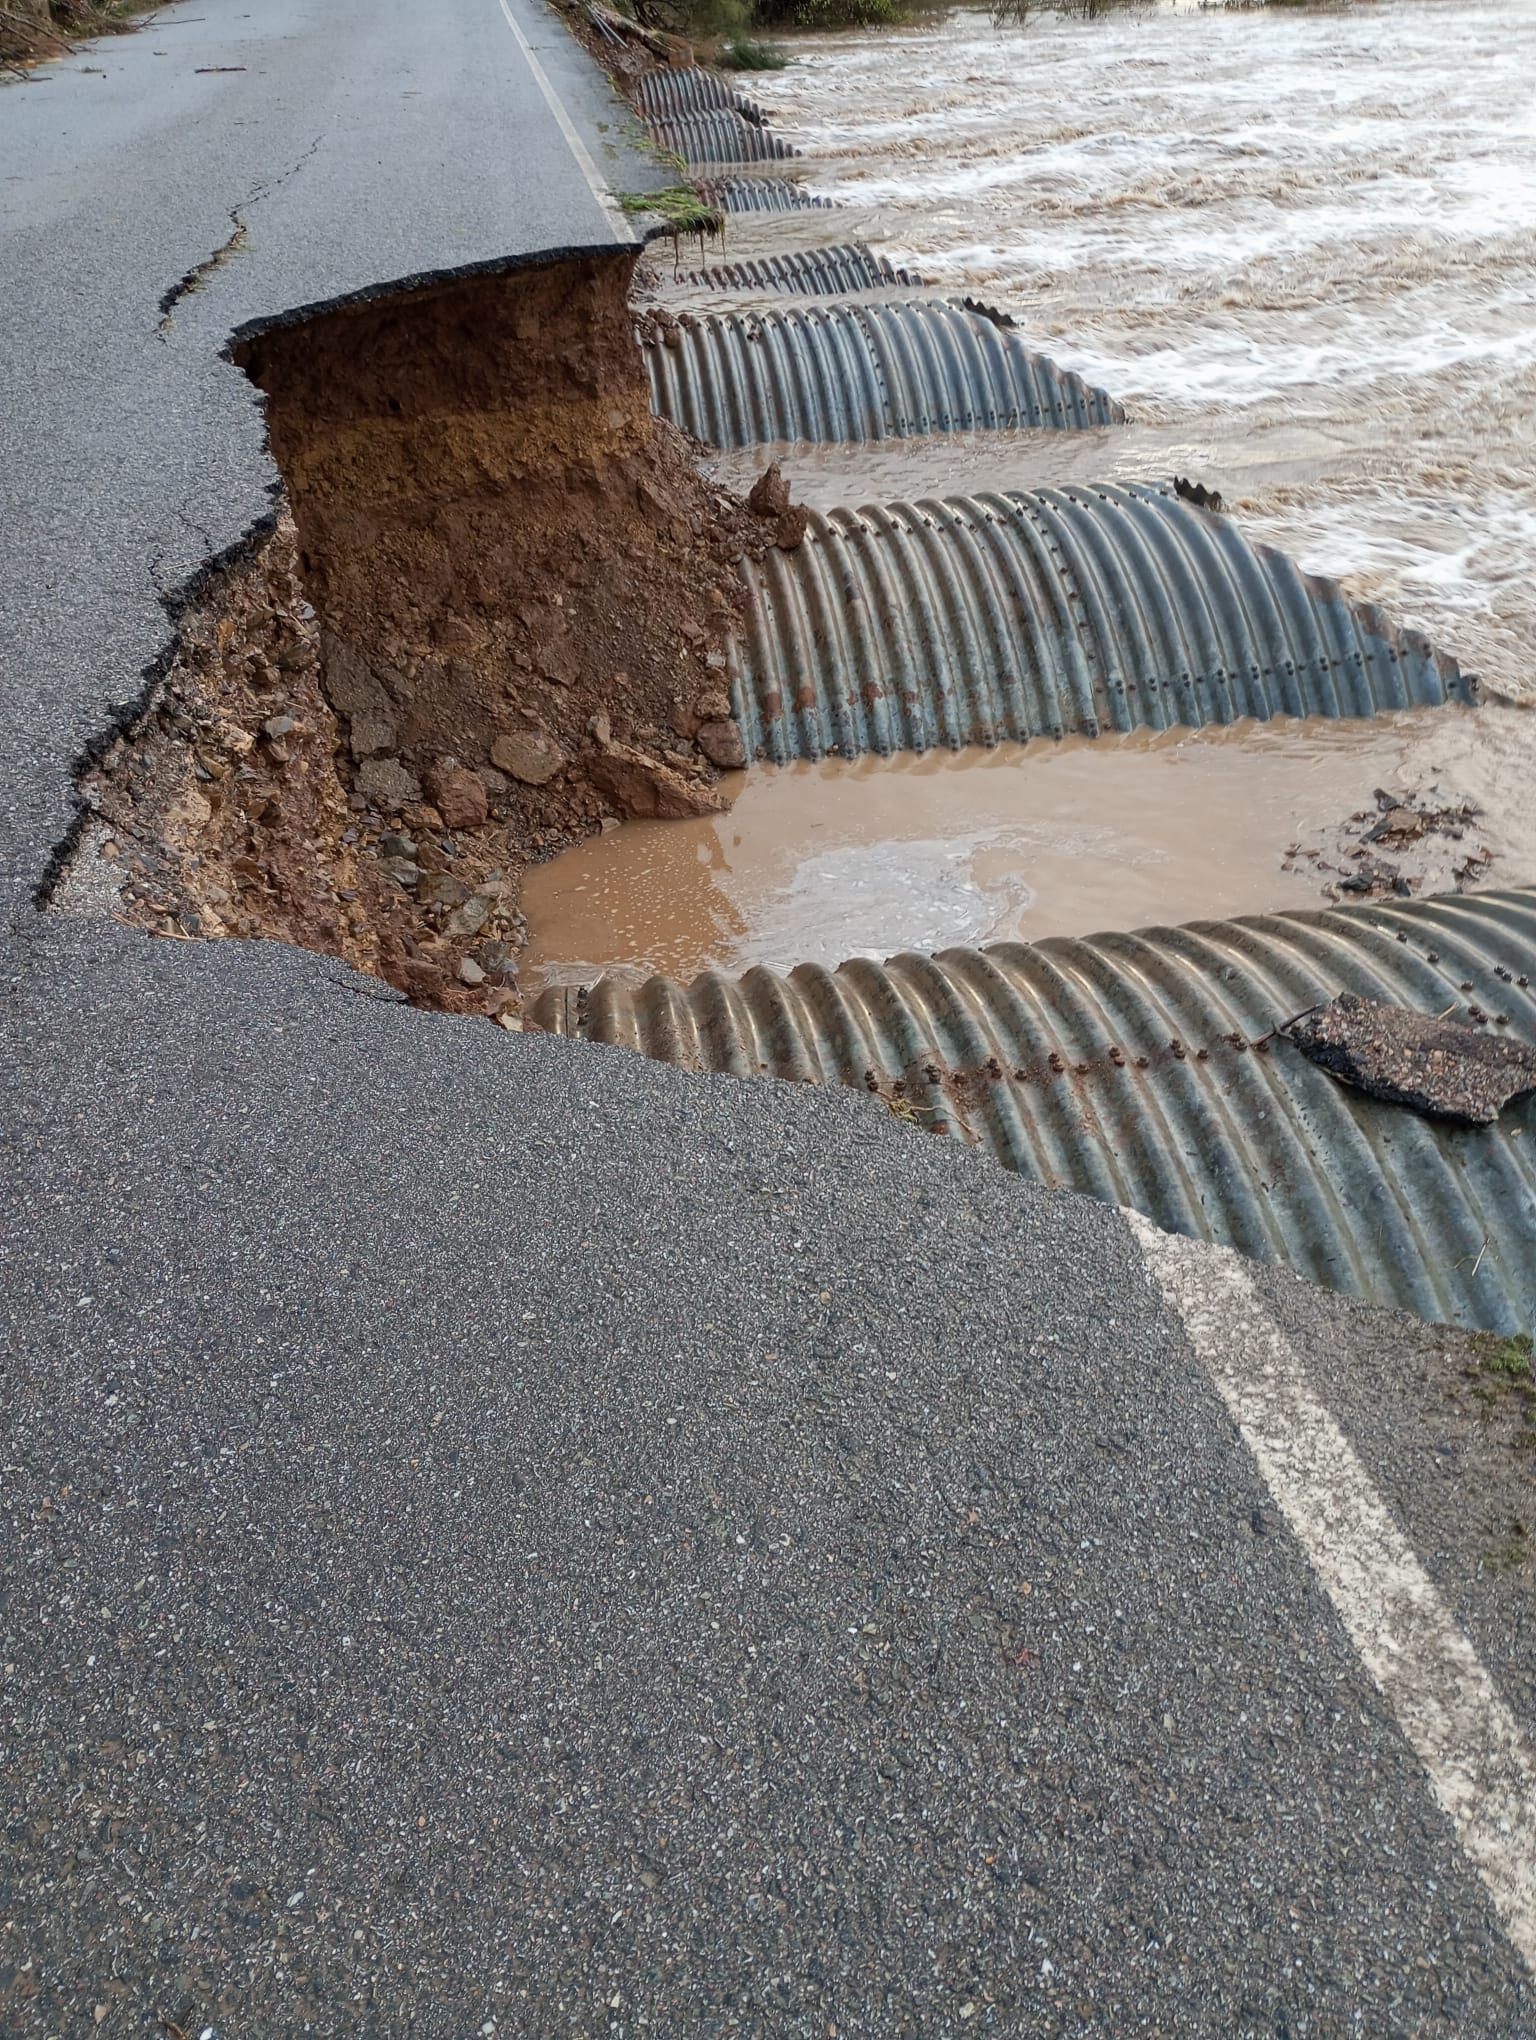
(736, 22)
(1507, 1359)
(1018, 12)
(746, 53)
(680, 206)
(829, 13)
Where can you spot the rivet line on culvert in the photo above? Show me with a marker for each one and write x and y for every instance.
(1144, 1070)
(856, 372)
(983, 619)
(817, 272)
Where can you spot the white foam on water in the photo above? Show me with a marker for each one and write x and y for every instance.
(1246, 219)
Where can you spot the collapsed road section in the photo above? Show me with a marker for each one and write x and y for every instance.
(507, 611)
(495, 618)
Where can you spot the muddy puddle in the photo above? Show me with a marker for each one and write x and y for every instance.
(816, 863)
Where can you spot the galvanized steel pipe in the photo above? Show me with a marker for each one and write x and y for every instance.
(973, 620)
(1144, 1070)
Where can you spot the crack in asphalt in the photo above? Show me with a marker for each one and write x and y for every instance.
(198, 274)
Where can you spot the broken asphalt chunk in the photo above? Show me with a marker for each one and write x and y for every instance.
(1436, 1066)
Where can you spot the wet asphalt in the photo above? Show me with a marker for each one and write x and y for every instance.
(503, 1536)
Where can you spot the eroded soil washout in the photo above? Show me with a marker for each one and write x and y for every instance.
(494, 620)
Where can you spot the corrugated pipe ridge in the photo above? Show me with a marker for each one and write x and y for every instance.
(670, 94)
(762, 194)
(983, 619)
(817, 272)
(1142, 1070)
(718, 136)
(858, 372)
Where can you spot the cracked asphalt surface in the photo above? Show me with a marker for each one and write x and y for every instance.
(501, 1536)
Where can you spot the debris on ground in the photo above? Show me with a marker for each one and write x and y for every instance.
(1442, 1068)
(1197, 494)
(1406, 844)
(769, 498)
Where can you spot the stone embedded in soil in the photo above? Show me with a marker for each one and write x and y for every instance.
(713, 707)
(1439, 1067)
(468, 919)
(643, 787)
(386, 784)
(370, 736)
(791, 528)
(721, 743)
(457, 793)
(529, 755)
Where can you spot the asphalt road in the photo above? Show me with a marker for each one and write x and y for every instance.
(503, 1537)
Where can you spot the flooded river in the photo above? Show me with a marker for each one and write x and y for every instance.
(1300, 247)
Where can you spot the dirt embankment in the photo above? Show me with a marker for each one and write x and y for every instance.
(494, 622)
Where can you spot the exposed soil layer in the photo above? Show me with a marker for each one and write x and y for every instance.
(495, 621)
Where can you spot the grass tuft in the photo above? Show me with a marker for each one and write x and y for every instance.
(748, 53)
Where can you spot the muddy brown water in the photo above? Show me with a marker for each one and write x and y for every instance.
(1298, 246)
(871, 856)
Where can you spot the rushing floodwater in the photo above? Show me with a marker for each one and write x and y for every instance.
(1301, 248)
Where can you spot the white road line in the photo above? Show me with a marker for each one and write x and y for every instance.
(1481, 1765)
(622, 230)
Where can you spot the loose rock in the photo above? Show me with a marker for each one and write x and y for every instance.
(370, 736)
(640, 785)
(769, 495)
(721, 743)
(528, 755)
(386, 784)
(457, 793)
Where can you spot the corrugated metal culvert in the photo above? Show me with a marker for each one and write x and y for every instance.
(718, 135)
(763, 194)
(668, 94)
(981, 619)
(816, 272)
(1143, 1070)
(858, 372)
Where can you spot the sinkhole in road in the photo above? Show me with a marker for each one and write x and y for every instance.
(818, 862)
